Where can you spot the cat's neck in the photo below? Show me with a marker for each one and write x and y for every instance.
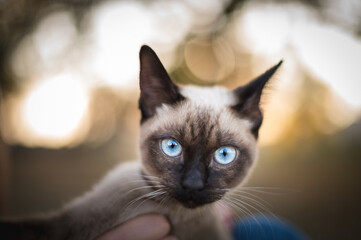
(125, 190)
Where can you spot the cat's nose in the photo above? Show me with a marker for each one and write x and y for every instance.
(193, 180)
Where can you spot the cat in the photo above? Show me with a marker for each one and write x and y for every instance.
(197, 144)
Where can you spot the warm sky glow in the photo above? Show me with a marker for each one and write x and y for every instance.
(55, 107)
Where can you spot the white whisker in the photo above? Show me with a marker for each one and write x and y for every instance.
(268, 190)
(149, 198)
(261, 201)
(143, 196)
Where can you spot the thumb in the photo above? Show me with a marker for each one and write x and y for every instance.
(146, 227)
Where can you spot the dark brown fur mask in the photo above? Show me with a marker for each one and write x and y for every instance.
(199, 141)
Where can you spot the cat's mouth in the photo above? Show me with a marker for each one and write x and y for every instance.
(194, 199)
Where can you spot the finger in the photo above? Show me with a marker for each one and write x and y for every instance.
(146, 227)
(170, 238)
(226, 214)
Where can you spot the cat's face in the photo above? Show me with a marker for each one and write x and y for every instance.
(200, 142)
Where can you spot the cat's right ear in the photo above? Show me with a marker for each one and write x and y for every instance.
(249, 97)
(156, 87)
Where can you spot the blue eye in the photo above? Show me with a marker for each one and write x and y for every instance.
(225, 155)
(171, 147)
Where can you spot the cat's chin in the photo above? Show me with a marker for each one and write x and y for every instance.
(193, 204)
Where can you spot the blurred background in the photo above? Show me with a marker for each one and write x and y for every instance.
(69, 91)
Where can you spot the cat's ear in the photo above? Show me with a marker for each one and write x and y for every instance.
(249, 97)
(156, 87)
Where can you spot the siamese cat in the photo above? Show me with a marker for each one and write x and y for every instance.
(197, 145)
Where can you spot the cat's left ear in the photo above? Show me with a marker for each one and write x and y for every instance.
(249, 97)
(156, 87)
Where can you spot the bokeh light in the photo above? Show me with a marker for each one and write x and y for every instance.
(210, 60)
(333, 56)
(264, 28)
(115, 41)
(56, 107)
(45, 49)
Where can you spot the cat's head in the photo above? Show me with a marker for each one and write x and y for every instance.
(200, 141)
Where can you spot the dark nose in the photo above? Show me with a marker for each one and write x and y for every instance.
(193, 180)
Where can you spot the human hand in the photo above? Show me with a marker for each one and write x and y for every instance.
(145, 227)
